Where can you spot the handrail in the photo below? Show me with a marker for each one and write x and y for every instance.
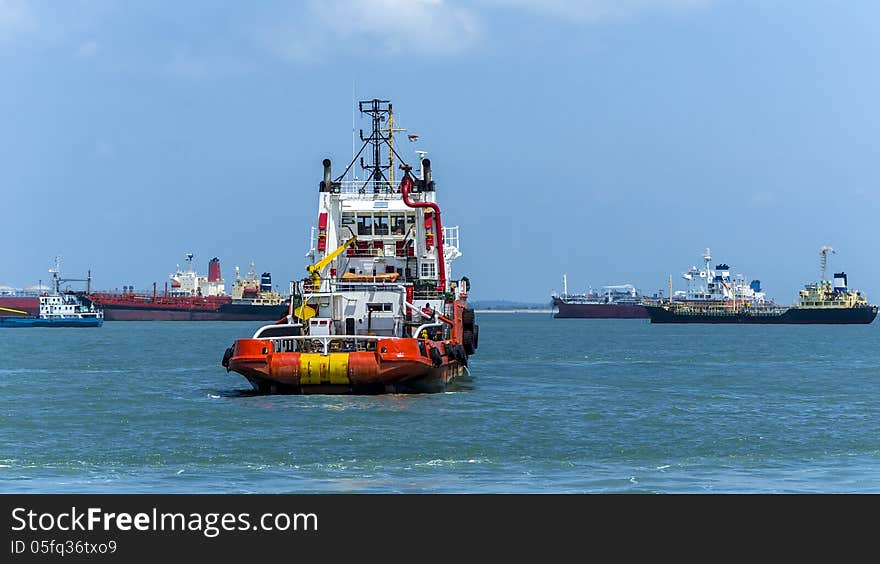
(419, 329)
(325, 340)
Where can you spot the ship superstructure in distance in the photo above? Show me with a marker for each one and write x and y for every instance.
(718, 285)
(189, 296)
(379, 309)
(622, 301)
(713, 297)
(56, 308)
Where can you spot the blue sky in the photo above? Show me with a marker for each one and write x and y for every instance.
(610, 140)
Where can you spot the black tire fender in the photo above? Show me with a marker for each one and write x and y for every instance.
(467, 318)
(436, 357)
(226, 356)
(467, 339)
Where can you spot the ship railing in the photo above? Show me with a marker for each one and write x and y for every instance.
(324, 344)
(366, 190)
(337, 285)
(340, 286)
(430, 329)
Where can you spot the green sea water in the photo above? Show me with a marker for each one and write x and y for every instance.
(551, 406)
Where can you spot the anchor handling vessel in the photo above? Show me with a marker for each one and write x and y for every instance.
(379, 311)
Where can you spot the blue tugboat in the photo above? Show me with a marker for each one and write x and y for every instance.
(56, 310)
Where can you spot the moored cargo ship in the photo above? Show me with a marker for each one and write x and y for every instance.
(380, 311)
(610, 302)
(824, 302)
(196, 298)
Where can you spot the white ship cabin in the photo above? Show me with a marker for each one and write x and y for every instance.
(717, 285)
(622, 294)
(189, 284)
(62, 306)
(383, 274)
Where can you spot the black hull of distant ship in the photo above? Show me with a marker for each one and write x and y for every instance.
(793, 315)
(597, 311)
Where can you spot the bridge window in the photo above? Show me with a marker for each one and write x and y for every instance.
(380, 224)
(365, 224)
(397, 224)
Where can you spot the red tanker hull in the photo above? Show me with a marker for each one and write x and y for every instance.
(30, 304)
(119, 314)
(220, 308)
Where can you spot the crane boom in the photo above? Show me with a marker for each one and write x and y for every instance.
(10, 310)
(314, 270)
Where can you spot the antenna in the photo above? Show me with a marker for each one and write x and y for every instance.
(353, 98)
(391, 130)
(378, 171)
(824, 250)
(56, 281)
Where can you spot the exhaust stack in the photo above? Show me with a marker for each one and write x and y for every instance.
(426, 176)
(214, 270)
(325, 184)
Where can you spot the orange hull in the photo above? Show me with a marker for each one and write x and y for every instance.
(397, 365)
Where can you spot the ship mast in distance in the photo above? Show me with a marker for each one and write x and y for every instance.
(824, 250)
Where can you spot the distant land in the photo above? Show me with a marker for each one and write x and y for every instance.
(505, 304)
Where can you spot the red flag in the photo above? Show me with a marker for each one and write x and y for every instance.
(413, 137)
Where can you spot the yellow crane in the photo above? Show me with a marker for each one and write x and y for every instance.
(304, 312)
(10, 310)
(314, 270)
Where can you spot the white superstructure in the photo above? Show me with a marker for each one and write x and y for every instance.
(708, 284)
(378, 268)
(189, 284)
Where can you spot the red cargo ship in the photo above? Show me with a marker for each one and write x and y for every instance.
(611, 302)
(196, 298)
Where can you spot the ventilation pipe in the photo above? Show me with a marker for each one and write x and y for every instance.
(406, 184)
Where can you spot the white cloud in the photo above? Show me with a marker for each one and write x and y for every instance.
(593, 10)
(434, 27)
